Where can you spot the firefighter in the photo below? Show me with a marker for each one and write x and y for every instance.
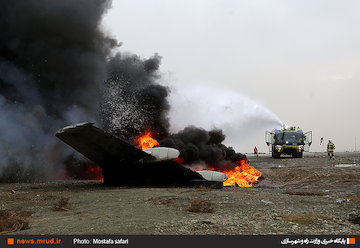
(256, 151)
(330, 150)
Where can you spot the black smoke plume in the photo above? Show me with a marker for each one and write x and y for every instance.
(134, 102)
(198, 147)
(57, 68)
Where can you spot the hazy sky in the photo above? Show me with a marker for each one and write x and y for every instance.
(299, 58)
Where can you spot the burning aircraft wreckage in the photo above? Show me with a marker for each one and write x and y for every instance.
(124, 164)
(49, 78)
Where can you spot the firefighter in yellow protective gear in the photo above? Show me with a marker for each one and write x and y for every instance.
(330, 149)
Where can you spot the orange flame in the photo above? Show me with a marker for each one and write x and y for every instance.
(96, 171)
(146, 142)
(179, 160)
(243, 175)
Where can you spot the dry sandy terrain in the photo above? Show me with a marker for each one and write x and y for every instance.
(309, 195)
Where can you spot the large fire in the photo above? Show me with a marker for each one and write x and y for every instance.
(243, 175)
(146, 142)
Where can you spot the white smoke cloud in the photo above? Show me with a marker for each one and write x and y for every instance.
(241, 118)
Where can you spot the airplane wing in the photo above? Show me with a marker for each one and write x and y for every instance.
(120, 160)
(100, 147)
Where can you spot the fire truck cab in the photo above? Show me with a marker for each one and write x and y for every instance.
(288, 141)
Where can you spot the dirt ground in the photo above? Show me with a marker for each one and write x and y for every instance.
(309, 195)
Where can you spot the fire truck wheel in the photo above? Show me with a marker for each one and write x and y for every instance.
(298, 155)
(275, 154)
